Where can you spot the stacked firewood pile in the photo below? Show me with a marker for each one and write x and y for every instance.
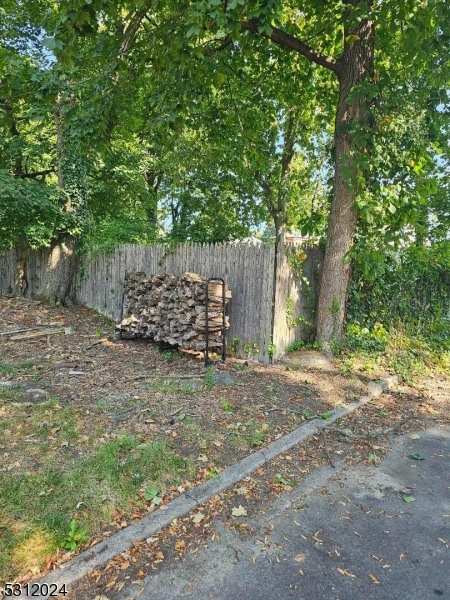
(171, 309)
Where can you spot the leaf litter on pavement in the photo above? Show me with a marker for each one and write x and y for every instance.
(91, 390)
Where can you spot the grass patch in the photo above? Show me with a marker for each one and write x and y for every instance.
(37, 508)
(9, 394)
(17, 368)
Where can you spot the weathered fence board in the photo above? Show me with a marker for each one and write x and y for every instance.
(247, 269)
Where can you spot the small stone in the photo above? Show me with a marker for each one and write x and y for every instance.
(375, 389)
(191, 384)
(37, 393)
(223, 378)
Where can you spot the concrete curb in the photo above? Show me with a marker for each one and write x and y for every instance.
(101, 553)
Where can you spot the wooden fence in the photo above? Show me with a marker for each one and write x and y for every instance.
(255, 323)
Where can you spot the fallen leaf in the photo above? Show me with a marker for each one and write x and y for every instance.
(299, 558)
(316, 539)
(159, 556)
(202, 458)
(326, 415)
(198, 517)
(243, 491)
(415, 456)
(180, 546)
(408, 499)
(239, 511)
(347, 573)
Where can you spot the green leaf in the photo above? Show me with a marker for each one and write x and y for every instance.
(151, 493)
(408, 499)
(326, 415)
(416, 456)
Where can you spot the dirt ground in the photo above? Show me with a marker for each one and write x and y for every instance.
(212, 416)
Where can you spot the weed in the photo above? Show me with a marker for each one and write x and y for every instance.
(209, 377)
(166, 387)
(302, 345)
(76, 537)
(401, 350)
(50, 404)
(283, 481)
(226, 407)
(101, 405)
(6, 369)
(235, 345)
(9, 393)
(151, 494)
(169, 355)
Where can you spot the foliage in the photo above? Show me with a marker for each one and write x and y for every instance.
(28, 208)
(402, 350)
(410, 285)
(398, 308)
(302, 345)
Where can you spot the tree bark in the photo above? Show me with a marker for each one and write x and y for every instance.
(21, 282)
(56, 286)
(355, 66)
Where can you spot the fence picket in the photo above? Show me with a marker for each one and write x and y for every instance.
(247, 269)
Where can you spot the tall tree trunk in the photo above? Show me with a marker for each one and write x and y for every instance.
(21, 282)
(355, 66)
(56, 285)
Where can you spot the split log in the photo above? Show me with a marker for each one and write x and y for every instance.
(166, 308)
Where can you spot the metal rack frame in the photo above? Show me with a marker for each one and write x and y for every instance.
(207, 361)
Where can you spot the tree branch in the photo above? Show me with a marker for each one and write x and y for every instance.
(130, 32)
(224, 43)
(289, 41)
(37, 174)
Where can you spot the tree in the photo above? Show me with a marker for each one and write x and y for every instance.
(183, 41)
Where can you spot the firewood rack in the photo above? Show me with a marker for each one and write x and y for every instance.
(215, 279)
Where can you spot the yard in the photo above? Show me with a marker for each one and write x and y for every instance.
(97, 432)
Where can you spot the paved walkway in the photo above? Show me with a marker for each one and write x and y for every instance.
(348, 533)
